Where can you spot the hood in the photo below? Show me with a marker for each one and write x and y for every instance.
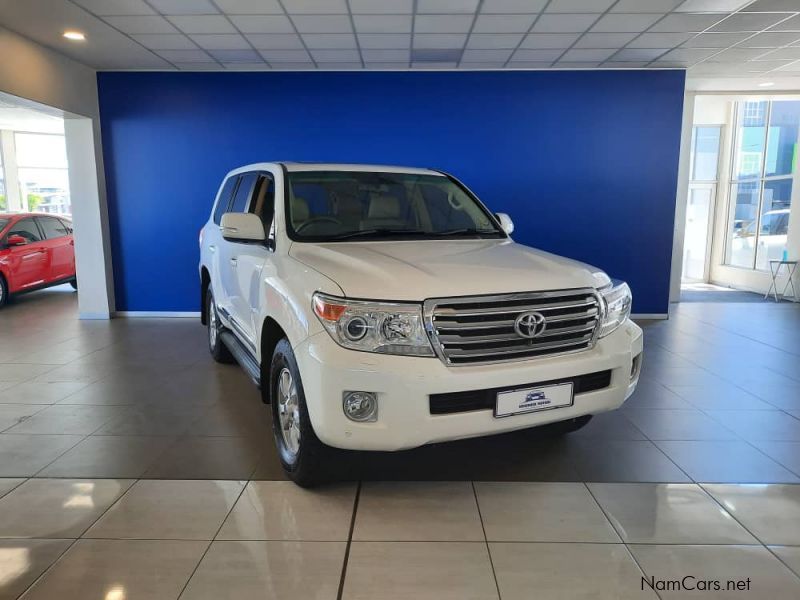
(417, 270)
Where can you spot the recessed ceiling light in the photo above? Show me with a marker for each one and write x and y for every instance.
(766, 84)
(75, 36)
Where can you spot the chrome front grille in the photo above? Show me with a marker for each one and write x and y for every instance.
(483, 329)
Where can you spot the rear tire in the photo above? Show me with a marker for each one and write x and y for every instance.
(3, 291)
(304, 458)
(219, 351)
(74, 284)
(565, 427)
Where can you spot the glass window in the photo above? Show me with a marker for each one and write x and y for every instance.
(242, 197)
(782, 138)
(53, 228)
(263, 203)
(67, 225)
(43, 180)
(750, 140)
(705, 150)
(27, 229)
(225, 198)
(3, 201)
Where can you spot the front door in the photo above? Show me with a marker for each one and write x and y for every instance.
(699, 209)
(60, 249)
(29, 260)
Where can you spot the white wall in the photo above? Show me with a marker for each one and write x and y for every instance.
(34, 73)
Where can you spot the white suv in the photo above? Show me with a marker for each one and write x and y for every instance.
(383, 308)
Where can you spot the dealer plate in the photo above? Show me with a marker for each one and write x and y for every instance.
(533, 399)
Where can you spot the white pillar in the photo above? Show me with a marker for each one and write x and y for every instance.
(9, 152)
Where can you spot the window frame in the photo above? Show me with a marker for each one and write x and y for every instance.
(35, 223)
(217, 220)
(40, 221)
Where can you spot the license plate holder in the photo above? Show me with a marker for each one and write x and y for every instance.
(533, 398)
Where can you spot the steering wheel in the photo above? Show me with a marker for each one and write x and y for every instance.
(314, 220)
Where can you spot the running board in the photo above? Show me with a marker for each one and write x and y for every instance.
(242, 356)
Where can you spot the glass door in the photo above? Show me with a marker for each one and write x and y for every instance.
(698, 231)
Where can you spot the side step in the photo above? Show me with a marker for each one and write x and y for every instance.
(242, 356)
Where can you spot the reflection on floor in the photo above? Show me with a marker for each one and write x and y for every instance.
(132, 466)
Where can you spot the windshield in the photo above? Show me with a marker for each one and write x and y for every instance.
(331, 206)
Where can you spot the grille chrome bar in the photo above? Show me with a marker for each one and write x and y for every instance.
(478, 330)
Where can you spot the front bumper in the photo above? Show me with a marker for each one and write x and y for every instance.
(403, 384)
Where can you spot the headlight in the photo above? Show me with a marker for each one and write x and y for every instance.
(616, 306)
(384, 327)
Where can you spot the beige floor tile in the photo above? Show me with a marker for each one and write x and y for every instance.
(280, 510)
(39, 393)
(124, 569)
(418, 511)
(6, 485)
(261, 570)
(771, 512)
(25, 455)
(12, 415)
(185, 510)
(22, 561)
(57, 508)
(769, 578)
(542, 512)
(419, 570)
(20, 373)
(667, 513)
(790, 555)
(566, 571)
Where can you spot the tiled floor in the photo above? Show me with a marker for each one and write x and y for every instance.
(132, 466)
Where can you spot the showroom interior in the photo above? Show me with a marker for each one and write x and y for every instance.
(656, 140)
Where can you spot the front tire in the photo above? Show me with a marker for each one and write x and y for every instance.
(304, 458)
(219, 351)
(3, 291)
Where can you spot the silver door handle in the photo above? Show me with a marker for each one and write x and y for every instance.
(212, 248)
(234, 261)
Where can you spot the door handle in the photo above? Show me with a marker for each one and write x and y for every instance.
(234, 261)
(212, 248)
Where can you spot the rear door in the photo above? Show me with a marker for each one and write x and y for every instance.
(28, 261)
(60, 259)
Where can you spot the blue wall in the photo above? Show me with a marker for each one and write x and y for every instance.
(584, 161)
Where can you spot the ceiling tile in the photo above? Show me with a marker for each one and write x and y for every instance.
(737, 55)
(263, 24)
(293, 66)
(564, 23)
(340, 66)
(382, 23)
(388, 66)
(116, 7)
(232, 41)
(436, 54)
(512, 6)
(549, 40)
(622, 22)
(477, 66)
(446, 6)
(771, 40)
(377, 7)
(782, 54)
(184, 56)
(235, 55)
(527, 55)
(246, 66)
(503, 23)
(197, 66)
(604, 40)
(384, 40)
(715, 40)
(529, 65)
(659, 40)
(687, 56)
(165, 41)
(748, 22)
(202, 24)
(329, 55)
(442, 23)
(439, 40)
(793, 66)
(761, 66)
(772, 6)
(143, 24)
(586, 55)
(792, 24)
(719, 6)
(330, 41)
(184, 7)
(275, 41)
(679, 23)
(284, 56)
(249, 7)
(486, 55)
(494, 41)
(622, 65)
(322, 23)
(395, 55)
(435, 65)
(639, 54)
(645, 6)
(578, 6)
(575, 64)
(315, 7)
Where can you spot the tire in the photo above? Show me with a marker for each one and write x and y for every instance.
(304, 458)
(219, 351)
(3, 291)
(74, 284)
(565, 427)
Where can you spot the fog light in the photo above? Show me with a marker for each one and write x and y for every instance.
(360, 406)
(636, 366)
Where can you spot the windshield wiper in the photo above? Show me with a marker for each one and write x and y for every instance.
(378, 232)
(464, 231)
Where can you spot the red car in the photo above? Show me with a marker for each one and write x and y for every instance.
(36, 251)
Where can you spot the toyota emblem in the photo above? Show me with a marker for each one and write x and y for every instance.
(530, 325)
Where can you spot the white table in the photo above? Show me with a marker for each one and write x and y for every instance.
(775, 269)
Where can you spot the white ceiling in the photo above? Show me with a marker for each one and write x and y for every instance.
(712, 38)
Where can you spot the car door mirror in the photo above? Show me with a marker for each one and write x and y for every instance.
(16, 240)
(505, 222)
(242, 227)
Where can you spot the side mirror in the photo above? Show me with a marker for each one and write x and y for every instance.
(242, 227)
(16, 240)
(505, 222)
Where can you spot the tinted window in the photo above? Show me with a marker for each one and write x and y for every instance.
(53, 228)
(263, 203)
(3, 223)
(27, 229)
(242, 196)
(225, 198)
(67, 225)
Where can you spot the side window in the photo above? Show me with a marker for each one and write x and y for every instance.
(26, 228)
(52, 227)
(67, 226)
(243, 193)
(263, 203)
(225, 198)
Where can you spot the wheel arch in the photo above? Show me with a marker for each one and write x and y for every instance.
(205, 281)
(271, 334)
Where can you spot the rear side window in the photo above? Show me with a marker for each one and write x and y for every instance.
(225, 198)
(27, 229)
(53, 228)
(263, 203)
(67, 225)
(243, 193)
